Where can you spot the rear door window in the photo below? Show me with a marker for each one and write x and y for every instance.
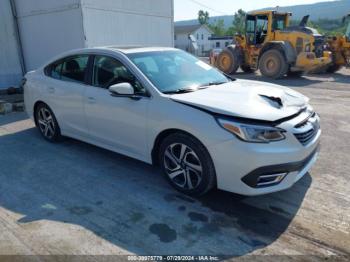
(74, 68)
(56, 71)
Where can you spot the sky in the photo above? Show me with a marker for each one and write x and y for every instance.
(188, 9)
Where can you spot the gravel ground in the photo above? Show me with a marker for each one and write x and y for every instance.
(76, 199)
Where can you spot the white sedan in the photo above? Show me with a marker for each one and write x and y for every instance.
(166, 107)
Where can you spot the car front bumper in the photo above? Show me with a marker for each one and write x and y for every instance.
(239, 164)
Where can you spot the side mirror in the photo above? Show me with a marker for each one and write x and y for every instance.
(122, 89)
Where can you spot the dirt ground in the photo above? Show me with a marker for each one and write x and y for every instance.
(76, 199)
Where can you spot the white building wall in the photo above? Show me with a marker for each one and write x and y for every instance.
(10, 66)
(222, 43)
(182, 41)
(47, 28)
(50, 27)
(132, 22)
(202, 35)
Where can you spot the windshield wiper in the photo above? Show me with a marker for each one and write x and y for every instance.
(188, 90)
(181, 91)
(229, 77)
(212, 84)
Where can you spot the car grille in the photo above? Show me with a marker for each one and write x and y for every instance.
(307, 129)
(304, 138)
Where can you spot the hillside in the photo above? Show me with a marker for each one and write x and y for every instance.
(228, 19)
(324, 10)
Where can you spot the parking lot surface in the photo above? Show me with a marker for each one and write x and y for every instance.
(74, 198)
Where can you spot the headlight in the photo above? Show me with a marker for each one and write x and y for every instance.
(253, 133)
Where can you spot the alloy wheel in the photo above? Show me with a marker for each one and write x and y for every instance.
(46, 123)
(183, 166)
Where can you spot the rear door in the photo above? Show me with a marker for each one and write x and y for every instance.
(66, 87)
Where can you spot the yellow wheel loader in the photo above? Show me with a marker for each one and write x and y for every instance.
(340, 48)
(275, 48)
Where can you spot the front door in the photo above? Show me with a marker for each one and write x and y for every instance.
(118, 123)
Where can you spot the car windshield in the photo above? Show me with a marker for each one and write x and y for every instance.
(175, 71)
(348, 30)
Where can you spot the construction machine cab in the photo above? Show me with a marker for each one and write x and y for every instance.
(347, 32)
(260, 25)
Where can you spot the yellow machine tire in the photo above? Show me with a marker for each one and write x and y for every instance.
(333, 68)
(273, 64)
(228, 61)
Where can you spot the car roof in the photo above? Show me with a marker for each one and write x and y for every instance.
(123, 49)
(138, 49)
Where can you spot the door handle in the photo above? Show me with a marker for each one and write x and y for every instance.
(51, 90)
(91, 100)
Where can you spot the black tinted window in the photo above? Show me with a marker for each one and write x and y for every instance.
(56, 71)
(109, 71)
(73, 68)
(69, 69)
(279, 22)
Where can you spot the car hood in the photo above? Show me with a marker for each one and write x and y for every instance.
(246, 99)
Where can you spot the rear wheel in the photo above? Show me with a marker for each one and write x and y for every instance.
(228, 61)
(47, 123)
(273, 64)
(187, 164)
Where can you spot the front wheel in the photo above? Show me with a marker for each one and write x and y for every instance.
(228, 61)
(187, 164)
(47, 123)
(273, 64)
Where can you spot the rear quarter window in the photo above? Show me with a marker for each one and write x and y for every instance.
(72, 68)
(54, 70)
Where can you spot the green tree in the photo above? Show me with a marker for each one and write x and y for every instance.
(203, 17)
(218, 28)
(238, 25)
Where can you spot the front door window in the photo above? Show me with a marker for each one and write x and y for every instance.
(108, 71)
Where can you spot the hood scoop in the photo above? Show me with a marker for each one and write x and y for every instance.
(273, 101)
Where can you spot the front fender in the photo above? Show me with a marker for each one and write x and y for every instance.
(286, 47)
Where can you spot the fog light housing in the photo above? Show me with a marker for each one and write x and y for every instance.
(270, 180)
(258, 179)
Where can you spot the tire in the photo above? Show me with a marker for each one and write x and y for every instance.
(47, 124)
(247, 69)
(228, 61)
(273, 64)
(191, 172)
(333, 68)
(295, 73)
